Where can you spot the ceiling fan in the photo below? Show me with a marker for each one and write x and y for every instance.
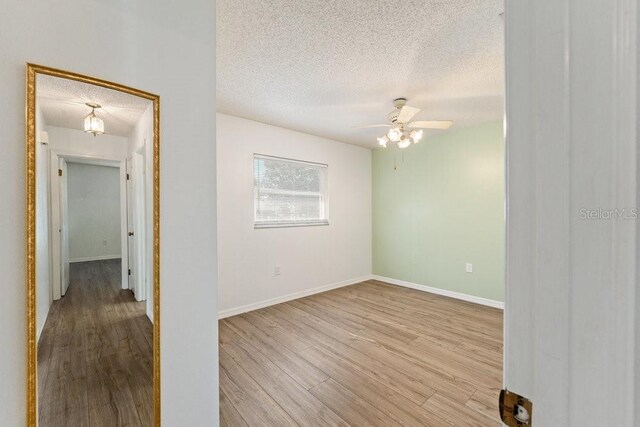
(402, 130)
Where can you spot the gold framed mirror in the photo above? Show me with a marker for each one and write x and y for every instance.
(92, 251)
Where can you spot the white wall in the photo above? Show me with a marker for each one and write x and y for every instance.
(74, 141)
(43, 265)
(93, 197)
(308, 257)
(163, 47)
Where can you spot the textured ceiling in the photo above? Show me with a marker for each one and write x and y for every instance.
(62, 102)
(322, 67)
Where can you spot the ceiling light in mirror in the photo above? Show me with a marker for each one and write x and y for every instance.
(92, 123)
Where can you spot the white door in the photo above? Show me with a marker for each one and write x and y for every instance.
(55, 227)
(64, 233)
(124, 231)
(138, 220)
(131, 251)
(571, 120)
(139, 265)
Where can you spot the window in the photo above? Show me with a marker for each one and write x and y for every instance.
(288, 192)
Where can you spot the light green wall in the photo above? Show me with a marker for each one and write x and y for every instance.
(441, 208)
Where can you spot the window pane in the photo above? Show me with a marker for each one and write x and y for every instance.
(288, 191)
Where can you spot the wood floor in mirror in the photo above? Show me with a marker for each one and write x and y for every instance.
(95, 355)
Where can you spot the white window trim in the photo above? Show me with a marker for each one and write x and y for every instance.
(297, 223)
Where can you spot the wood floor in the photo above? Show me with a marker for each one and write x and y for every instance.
(370, 354)
(95, 354)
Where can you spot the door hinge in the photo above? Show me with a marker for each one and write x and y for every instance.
(131, 233)
(515, 410)
(129, 272)
(59, 172)
(128, 178)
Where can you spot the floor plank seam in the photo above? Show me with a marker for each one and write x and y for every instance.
(267, 392)
(275, 362)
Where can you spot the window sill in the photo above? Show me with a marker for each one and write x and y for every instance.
(258, 225)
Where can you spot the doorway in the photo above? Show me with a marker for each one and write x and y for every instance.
(93, 227)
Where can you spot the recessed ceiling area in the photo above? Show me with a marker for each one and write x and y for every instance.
(63, 104)
(326, 67)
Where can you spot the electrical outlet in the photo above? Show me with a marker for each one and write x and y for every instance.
(276, 270)
(468, 267)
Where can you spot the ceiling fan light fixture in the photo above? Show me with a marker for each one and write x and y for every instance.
(394, 134)
(383, 140)
(92, 123)
(403, 130)
(404, 142)
(416, 135)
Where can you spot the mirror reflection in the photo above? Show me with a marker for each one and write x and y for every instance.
(94, 255)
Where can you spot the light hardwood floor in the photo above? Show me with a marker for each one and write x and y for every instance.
(367, 354)
(95, 354)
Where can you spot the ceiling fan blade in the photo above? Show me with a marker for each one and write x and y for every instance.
(431, 124)
(369, 126)
(407, 113)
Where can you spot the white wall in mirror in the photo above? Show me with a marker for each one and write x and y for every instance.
(93, 196)
(73, 141)
(43, 264)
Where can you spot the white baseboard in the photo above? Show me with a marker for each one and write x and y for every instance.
(95, 258)
(273, 301)
(443, 292)
(289, 297)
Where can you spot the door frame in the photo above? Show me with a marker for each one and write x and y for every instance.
(53, 227)
(139, 215)
(56, 249)
(64, 226)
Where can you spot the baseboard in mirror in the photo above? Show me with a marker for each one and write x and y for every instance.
(95, 258)
(451, 294)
